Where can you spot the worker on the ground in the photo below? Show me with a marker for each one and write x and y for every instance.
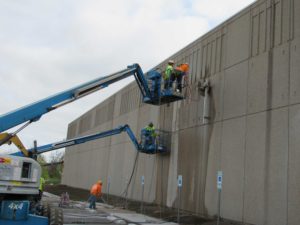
(180, 72)
(168, 74)
(41, 187)
(96, 191)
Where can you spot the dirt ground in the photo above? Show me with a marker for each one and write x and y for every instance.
(154, 210)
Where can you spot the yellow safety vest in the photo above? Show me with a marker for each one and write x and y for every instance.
(42, 184)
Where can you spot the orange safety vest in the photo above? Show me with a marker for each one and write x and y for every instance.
(96, 189)
(183, 68)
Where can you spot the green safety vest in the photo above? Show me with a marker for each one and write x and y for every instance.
(151, 130)
(168, 72)
(42, 183)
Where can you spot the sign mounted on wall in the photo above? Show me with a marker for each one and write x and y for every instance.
(219, 180)
(142, 180)
(179, 182)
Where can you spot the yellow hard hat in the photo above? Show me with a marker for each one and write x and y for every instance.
(99, 182)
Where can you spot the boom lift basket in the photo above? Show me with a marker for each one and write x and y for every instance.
(159, 94)
(159, 143)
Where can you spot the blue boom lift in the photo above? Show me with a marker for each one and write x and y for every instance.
(147, 145)
(19, 176)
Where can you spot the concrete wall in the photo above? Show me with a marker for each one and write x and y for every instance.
(253, 63)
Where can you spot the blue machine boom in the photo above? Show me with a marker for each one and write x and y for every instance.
(149, 85)
(144, 147)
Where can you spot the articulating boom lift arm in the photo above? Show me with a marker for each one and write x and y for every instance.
(145, 148)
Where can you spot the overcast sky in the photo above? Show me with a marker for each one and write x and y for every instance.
(51, 45)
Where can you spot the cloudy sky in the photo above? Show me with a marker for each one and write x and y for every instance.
(52, 45)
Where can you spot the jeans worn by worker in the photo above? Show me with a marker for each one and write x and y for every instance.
(92, 200)
(178, 77)
(167, 83)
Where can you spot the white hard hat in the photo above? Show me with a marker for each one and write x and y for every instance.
(171, 61)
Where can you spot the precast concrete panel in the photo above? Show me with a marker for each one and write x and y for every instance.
(173, 171)
(278, 22)
(129, 170)
(117, 105)
(257, 83)
(183, 117)
(82, 175)
(294, 166)
(232, 165)
(102, 142)
(68, 162)
(235, 90)
(213, 165)
(280, 76)
(294, 71)
(254, 204)
(276, 167)
(133, 122)
(72, 130)
(70, 159)
(216, 107)
(166, 117)
(295, 17)
(146, 115)
(262, 44)
(147, 168)
(85, 123)
(100, 158)
(116, 172)
(255, 32)
(162, 179)
(193, 113)
(237, 40)
(189, 162)
(286, 20)
(199, 110)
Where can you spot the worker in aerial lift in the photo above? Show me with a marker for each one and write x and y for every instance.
(168, 74)
(41, 187)
(95, 192)
(150, 134)
(180, 72)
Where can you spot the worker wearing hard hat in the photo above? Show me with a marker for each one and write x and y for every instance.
(95, 192)
(180, 72)
(168, 74)
(150, 134)
(151, 129)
